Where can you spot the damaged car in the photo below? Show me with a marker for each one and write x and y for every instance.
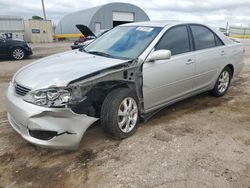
(121, 78)
(89, 36)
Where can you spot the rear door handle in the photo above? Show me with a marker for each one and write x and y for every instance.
(222, 52)
(189, 62)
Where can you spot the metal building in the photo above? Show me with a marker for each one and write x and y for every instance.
(38, 31)
(12, 27)
(102, 17)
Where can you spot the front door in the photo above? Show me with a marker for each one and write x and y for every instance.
(166, 80)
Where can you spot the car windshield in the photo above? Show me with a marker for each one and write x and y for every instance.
(100, 33)
(124, 42)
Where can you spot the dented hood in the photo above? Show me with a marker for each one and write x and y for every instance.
(60, 69)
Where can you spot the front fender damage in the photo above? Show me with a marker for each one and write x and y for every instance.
(95, 87)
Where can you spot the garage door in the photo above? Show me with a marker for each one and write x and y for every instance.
(123, 16)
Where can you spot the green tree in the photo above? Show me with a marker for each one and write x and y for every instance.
(37, 18)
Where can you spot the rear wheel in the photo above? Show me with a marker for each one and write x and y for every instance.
(222, 83)
(18, 53)
(120, 113)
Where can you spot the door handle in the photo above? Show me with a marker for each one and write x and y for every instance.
(189, 62)
(222, 52)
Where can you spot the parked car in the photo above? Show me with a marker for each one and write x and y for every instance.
(14, 48)
(121, 78)
(89, 36)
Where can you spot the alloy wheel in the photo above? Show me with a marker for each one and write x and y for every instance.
(127, 115)
(18, 53)
(224, 80)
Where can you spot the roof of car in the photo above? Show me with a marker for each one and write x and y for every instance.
(161, 23)
(170, 23)
(164, 23)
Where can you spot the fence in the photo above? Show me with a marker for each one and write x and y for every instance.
(239, 32)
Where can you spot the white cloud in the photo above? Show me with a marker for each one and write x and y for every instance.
(213, 12)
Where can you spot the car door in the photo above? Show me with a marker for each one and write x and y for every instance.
(3, 47)
(166, 80)
(210, 55)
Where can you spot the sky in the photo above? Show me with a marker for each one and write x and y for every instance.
(212, 12)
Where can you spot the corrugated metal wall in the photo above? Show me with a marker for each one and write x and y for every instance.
(102, 15)
(12, 24)
(239, 32)
(105, 14)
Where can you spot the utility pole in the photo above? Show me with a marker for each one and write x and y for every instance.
(44, 14)
(227, 28)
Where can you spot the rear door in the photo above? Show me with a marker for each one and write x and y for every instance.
(165, 80)
(210, 55)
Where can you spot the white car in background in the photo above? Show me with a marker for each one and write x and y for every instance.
(122, 77)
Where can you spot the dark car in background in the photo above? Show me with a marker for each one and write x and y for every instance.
(14, 48)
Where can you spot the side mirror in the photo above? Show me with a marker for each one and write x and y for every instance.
(160, 55)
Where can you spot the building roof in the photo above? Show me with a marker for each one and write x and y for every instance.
(82, 16)
(86, 16)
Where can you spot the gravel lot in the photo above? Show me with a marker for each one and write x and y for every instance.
(200, 142)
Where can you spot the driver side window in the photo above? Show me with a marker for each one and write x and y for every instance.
(1, 40)
(176, 40)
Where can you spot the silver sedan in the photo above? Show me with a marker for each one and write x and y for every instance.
(121, 78)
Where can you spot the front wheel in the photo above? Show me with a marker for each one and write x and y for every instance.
(222, 83)
(120, 113)
(18, 53)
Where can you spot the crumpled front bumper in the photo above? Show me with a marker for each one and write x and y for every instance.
(26, 118)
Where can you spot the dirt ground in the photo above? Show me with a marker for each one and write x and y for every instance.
(200, 142)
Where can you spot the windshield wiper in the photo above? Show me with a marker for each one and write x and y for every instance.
(82, 49)
(100, 54)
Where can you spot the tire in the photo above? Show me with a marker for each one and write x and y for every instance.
(223, 82)
(18, 53)
(120, 113)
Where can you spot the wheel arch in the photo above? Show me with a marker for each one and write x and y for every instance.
(231, 68)
(97, 94)
(17, 46)
(14, 47)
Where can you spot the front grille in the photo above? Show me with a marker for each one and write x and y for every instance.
(21, 90)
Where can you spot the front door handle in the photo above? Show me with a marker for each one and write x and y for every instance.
(189, 62)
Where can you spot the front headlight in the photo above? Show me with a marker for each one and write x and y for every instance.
(53, 97)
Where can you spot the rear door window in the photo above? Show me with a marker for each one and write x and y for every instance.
(176, 40)
(203, 37)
